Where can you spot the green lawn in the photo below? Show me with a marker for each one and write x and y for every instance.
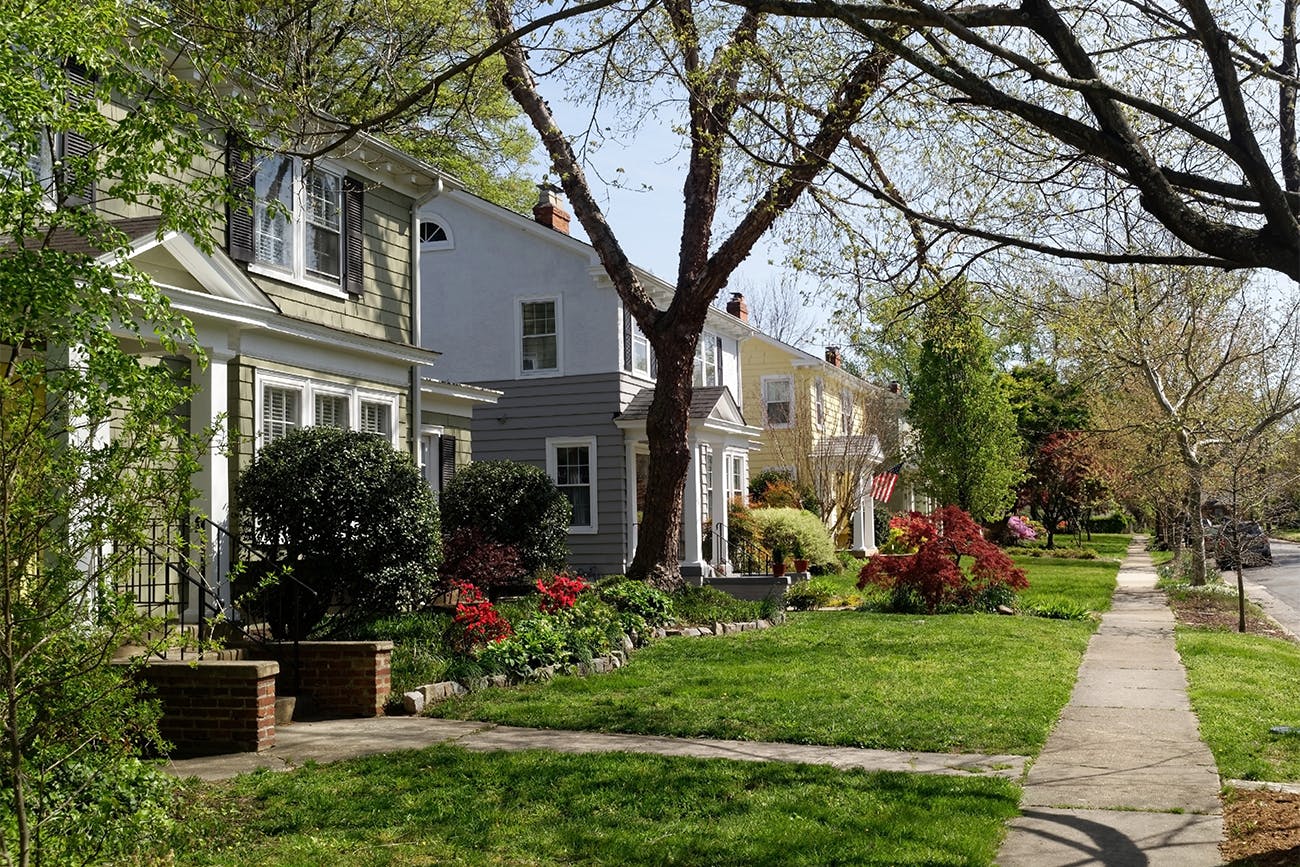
(445, 805)
(1240, 687)
(1086, 583)
(957, 682)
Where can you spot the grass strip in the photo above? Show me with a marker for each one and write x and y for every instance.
(1240, 687)
(957, 682)
(445, 805)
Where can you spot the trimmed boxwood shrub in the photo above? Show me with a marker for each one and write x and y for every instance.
(797, 524)
(349, 515)
(514, 504)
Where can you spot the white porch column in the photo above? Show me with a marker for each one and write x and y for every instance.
(693, 557)
(869, 531)
(209, 409)
(720, 483)
(860, 530)
(629, 471)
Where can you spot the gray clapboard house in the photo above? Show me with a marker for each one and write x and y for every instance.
(519, 306)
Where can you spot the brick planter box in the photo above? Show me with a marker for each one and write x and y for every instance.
(338, 678)
(214, 706)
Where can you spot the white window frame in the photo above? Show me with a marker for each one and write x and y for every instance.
(736, 483)
(639, 339)
(789, 383)
(558, 370)
(708, 342)
(448, 242)
(307, 390)
(296, 272)
(553, 444)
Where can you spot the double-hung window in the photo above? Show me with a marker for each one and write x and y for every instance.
(281, 411)
(298, 219)
(571, 463)
(539, 343)
(708, 357)
(640, 353)
(778, 401)
(735, 467)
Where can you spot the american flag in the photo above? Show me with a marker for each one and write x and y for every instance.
(882, 486)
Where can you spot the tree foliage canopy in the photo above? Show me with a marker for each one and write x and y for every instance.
(970, 455)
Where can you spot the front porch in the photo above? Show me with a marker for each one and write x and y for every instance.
(720, 442)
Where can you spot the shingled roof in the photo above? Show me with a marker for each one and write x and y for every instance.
(703, 402)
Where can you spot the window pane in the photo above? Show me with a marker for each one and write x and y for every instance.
(273, 211)
(323, 197)
(539, 318)
(573, 478)
(376, 418)
(432, 233)
(331, 410)
(539, 348)
(279, 412)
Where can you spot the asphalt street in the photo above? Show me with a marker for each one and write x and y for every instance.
(1282, 580)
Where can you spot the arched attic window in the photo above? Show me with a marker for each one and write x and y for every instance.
(434, 234)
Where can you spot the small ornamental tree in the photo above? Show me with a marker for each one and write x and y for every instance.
(1065, 481)
(349, 516)
(510, 503)
(934, 575)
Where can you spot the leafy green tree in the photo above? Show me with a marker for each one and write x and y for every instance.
(970, 454)
(1043, 403)
(92, 450)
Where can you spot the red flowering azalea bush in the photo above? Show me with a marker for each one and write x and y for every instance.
(559, 593)
(476, 621)
(953, 566)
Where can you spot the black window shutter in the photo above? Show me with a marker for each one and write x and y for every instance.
(77, 180)
(718, 357)
(627, 339)
(239, 210)
(446, 460)
(353, 236)
(654, 364)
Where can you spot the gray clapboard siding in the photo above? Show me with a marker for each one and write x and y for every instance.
(532, 410)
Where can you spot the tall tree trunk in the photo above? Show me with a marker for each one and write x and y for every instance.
(667, 427)
(1196, 533)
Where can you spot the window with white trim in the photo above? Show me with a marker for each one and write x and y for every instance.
(281, 411)
(539, 336)
(298, 219)
(641, 352)
(434, 235)
(285, 403)
(778, 401)
(707, 360)
(331, 410)
(819, 400)
(376, 417)
(735, 467)
(846, 412)
(571, 463)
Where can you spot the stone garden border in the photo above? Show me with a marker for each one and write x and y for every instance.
(417, 699)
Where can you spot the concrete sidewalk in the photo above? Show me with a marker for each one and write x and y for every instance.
(333, 740)
(1124, 778)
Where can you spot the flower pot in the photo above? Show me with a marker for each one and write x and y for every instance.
(800, 565)
(778, 568)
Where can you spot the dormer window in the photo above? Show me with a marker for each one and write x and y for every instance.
(434, 235)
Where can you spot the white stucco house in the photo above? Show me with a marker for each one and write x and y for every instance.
(520, 307)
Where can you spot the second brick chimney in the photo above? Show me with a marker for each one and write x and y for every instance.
(833, 355)
(548, 211)
(737, 306)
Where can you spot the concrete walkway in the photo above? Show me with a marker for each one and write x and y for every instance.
(332, 740)
(1124, 778)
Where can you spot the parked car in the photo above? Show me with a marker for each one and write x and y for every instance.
(1245, 537)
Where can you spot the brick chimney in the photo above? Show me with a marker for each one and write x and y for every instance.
(737, 306)
(833, 355)
(548, 211)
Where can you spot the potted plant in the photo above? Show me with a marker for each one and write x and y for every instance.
(800, 561)
(779, 539)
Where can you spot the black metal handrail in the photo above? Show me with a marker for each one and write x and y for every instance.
(745, 556)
